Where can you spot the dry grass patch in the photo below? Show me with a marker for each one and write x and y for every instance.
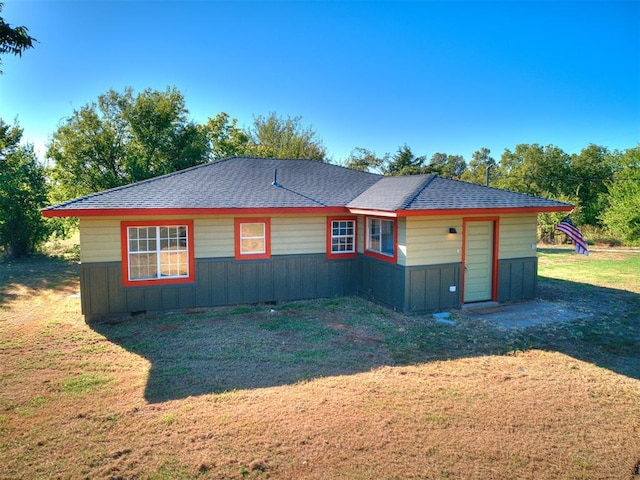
(323, 389)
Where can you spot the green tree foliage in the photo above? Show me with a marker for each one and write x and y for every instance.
(590, 172)
(13, 40)
(535, 170)
(365, 160)
(277, 137)
(447, 166)
(23, 192)
(225, 138)
(122, 139)
(622, 217)
(404, 162)
(476, 171)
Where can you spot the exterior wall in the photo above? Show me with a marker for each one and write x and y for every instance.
(429, 264)
(517, 279)
(428, 288)
(417, 289)
(518, 236)
(99, 240)
(428, 241)
(214, 236)
(219, 281)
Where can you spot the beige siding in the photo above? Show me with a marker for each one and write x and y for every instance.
(213, 237)
(99, 240)
(402, 241)
(428, 241)
(518, 236)
(298, 235)
(421, 240)
(361, 232)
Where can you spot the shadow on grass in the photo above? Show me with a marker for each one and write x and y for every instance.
(209, 351)
(608, 333)
(37, 273)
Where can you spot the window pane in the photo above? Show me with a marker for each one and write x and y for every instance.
(173, 264)
(142, 239)
(342, 236)
(156, 252)
(252, 230)
(252, 245)
(252, 238)
(387, 237)
(373, 242)
(381, 237)
(143, 266)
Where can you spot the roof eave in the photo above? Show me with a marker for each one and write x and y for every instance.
(137, 212)
(484, 211)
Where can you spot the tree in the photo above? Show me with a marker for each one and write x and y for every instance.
(23, 192)
(590, 172)
(404, 162)
(447, 166)
(365, 160)
(13, 40)
(277, 137)
(622, 217)
(481, 163)
(225, 138)
(122, 139)
(535, 170)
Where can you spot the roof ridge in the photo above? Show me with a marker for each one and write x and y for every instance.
(411, 196)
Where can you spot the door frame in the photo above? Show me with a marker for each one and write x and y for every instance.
(494, 267)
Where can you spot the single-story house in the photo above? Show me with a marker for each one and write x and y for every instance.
(252, 230)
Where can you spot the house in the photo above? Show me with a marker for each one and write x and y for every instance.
(249, 230)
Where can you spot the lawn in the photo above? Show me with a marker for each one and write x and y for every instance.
(334, 388)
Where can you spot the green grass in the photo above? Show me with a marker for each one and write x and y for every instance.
(601, 269)
(329, 388)
(83, 384)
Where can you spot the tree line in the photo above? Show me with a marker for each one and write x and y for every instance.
(125, 137)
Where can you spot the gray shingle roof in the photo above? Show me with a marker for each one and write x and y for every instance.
(247, 183)
(391, 193)
(237, 183)
(430, 192)
(446, 194)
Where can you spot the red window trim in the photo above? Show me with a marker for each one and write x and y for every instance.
(124, 250)
(380, 256)
(332, 255)
(267, 239)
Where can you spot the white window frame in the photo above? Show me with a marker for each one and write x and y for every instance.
(262, 237)
(376, 236)
(343, 239)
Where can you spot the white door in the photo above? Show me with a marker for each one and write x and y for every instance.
(478, 268)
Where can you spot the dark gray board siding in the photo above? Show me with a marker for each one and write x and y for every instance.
(226, 281)
(219, 281)
(517, 279)
(417, 289)
(428, 287)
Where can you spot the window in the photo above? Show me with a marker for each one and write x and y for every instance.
(252, 238)
(157, 253)
(381, 237)
(341, 237)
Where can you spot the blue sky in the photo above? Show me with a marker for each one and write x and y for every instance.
(448, 77)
